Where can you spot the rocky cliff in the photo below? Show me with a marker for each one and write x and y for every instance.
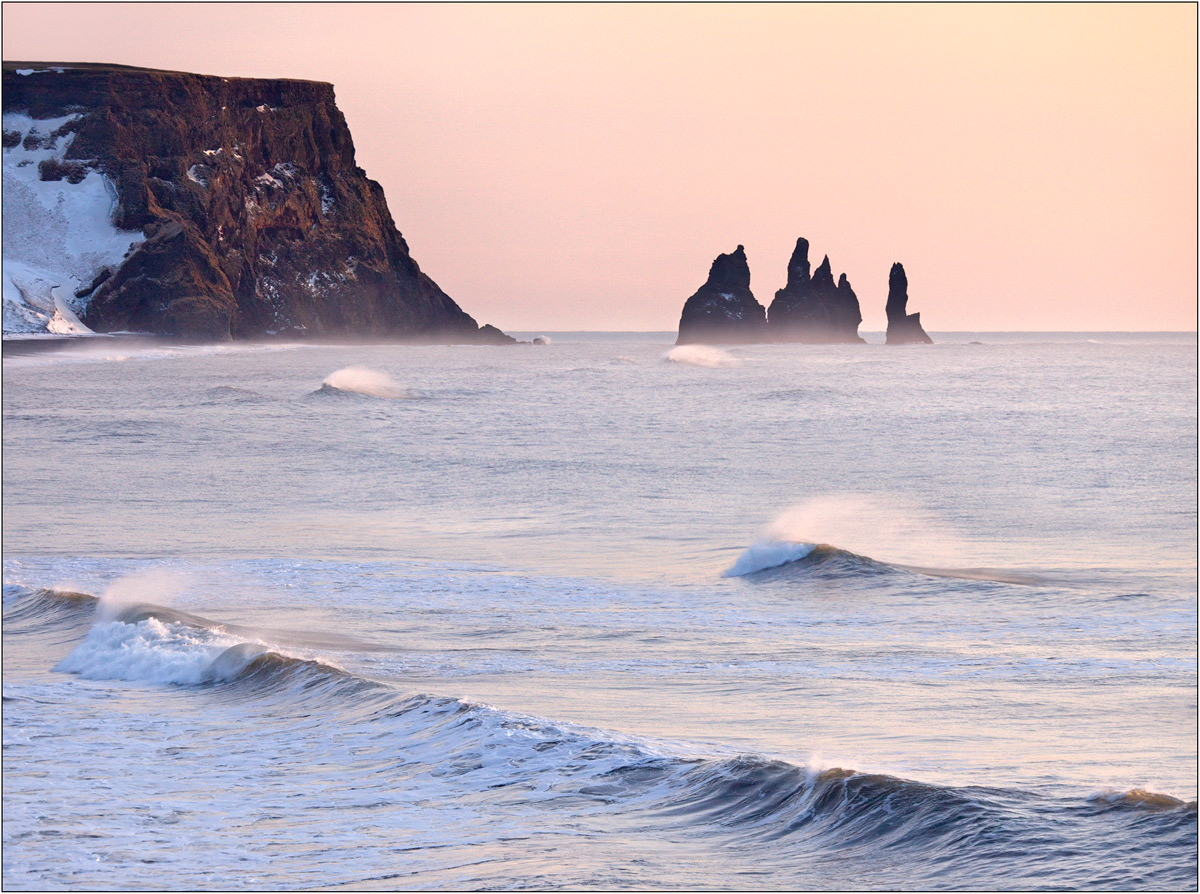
(903, 328)
(723, 309)
(200, 207)
(812, 309)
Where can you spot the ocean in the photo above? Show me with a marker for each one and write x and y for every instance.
(601, 613)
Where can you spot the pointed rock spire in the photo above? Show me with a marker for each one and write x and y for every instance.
(731, 271)
(823, 278)
(813, 309)
(723, 309)
(903, 328)
(799, 270)
(848, 298)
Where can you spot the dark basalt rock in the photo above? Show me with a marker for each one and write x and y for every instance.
(812, 309)
(723, 309)
(903, 328)
(490, 335)
(257, 220)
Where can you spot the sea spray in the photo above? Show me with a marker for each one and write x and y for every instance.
(360, 380)
(885, 528)
(137, 636)
(700, 355)
(156, 586)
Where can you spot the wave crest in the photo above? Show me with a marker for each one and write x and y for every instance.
(874, 534)
(766, 553)
(46, 609)
(149, 643)
(369, 382)
(1139, 799)
(700, 355)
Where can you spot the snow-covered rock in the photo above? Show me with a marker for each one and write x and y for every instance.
(58, 234)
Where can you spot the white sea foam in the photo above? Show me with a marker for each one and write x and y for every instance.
(360, 380)
(150, 651)
(700, 355)
(129, 643)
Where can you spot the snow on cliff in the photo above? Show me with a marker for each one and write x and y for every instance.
(58, 235)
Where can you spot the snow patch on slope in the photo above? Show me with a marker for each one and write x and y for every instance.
(58, 235)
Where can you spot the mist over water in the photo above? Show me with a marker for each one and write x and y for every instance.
(831, 617)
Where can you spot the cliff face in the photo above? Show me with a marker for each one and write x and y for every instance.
(723, 309)
(235, 209)
(903, 328)
(812, 309)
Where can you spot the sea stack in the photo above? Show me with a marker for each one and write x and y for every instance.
(811, 309)
(724, 309)
(200, 207)
(903, 328)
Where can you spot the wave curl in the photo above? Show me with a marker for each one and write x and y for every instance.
(481, 749)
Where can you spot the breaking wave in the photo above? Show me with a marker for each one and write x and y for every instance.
(766, 555)
(360, 380)
(490, 756)
(874, 534)
(700, 355)
(144, 642)
(771, 558)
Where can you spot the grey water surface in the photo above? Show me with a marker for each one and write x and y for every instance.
(601, 613)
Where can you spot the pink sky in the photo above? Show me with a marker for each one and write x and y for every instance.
(579, 166)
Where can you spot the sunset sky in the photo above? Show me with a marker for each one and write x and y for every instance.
(579, 166)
